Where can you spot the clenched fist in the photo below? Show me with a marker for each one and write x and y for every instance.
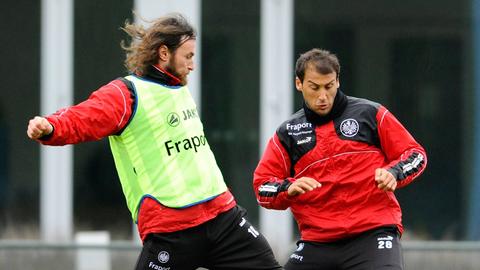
(385, 180)
(38, 127)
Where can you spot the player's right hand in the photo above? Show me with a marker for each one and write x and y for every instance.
(302, 185)
(38, 127)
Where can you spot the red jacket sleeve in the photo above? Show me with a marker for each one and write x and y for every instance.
(104, 113)
(271, 177)
(407, 158)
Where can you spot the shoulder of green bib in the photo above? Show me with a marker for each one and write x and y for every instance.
(133, 95)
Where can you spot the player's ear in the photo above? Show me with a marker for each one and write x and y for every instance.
(298, 84)
(163, 53)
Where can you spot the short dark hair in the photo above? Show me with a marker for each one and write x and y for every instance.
(323, 61)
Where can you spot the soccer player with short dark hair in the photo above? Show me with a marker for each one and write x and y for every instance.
(336, 164)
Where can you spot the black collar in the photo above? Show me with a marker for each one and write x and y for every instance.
(339, 104)
(161, 76)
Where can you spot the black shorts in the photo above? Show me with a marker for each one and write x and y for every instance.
(228, 241)
(377, 249)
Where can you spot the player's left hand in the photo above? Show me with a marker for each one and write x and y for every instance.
(385, 180)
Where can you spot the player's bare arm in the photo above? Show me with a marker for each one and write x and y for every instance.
(38, 127)
(385, 180)
(302, 185)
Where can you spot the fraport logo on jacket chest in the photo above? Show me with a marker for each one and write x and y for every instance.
(297, 127)
(349, 127)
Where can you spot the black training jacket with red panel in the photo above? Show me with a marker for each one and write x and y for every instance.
(342, 152)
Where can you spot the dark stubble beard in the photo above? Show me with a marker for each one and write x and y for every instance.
(170, 69)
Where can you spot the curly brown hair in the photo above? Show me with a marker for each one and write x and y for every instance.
(171, 30)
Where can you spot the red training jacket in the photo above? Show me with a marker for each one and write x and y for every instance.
(342, 153)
